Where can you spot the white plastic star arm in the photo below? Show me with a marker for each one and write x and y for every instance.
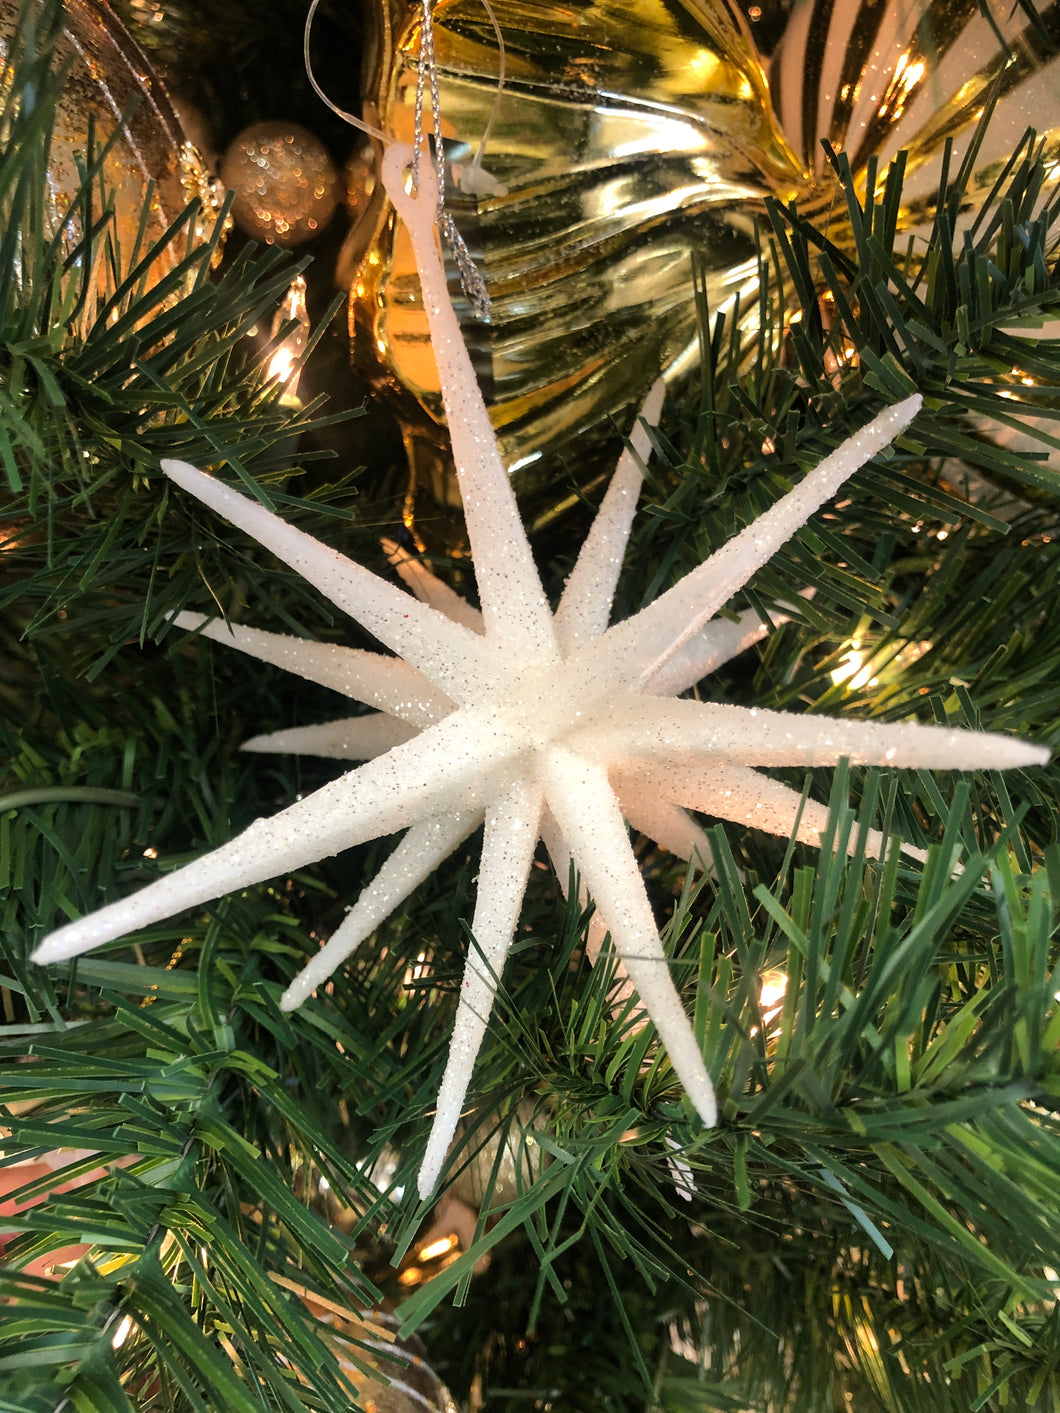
(733, 735)
(597, 931)
(588, 815)
(662, 821)
(512, 826)
(455, 659)
(447, 767)
(585, 609)
(430, 589)
(353, 738)
(514, 607)
(386, 683)
(642, 644)
(423, 848)
(744, 796)
(713, 646)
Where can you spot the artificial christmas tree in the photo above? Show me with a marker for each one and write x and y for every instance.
(872, 1222)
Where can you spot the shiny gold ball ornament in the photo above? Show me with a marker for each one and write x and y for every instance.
(632, 148)
(285, 183)
(112, 96)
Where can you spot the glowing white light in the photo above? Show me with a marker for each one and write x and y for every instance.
(771, 993)
(121, 1334)
(852, 670)
(286, 357)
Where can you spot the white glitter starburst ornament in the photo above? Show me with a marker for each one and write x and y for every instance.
(532, 723)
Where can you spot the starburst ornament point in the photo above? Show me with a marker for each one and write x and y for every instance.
(527, 723)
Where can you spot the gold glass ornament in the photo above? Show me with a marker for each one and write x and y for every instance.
(632, 147)
(878, 77)
(629, 141)
(285, 183)
(501, 1159)
(111, 88)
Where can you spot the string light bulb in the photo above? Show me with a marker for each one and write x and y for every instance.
(852, 669)
(771, 995)
(285, 362)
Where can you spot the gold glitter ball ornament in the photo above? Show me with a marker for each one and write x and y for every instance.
(285, 183)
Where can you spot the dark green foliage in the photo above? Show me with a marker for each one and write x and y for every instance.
(875, 1222)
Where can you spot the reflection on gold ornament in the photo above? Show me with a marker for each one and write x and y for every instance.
(875, 79)
(285, 183)
(390, 1372)
(635, 145)
(630, 140)
(112, 90)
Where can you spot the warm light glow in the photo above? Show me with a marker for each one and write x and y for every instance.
(437, 1248)
(417, 971)
(150, 853)
(859, 668)
(771, 994)
(280, 364)
(415, 1275)
(852, 670)
(286, 357)
(121, 1334)
(771, 991)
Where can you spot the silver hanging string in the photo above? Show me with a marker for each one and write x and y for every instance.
(426, 49)
(471, 281)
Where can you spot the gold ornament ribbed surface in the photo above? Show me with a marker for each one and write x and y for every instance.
(636, 145)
